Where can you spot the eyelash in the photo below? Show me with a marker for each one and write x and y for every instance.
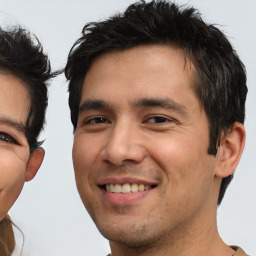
(101, 120)
(163, 118)
(7, 138)
(96, 119)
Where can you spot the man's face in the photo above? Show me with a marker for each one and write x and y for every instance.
(142, 129)
(14, 148)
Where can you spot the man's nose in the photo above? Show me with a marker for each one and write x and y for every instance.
(124, 144)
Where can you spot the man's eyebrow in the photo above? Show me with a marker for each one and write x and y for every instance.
(166, 103)
(93, 104)
(14, 124)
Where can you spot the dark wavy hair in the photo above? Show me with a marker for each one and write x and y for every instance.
(21, 55)
(221, 78)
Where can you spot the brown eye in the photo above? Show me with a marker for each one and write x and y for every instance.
(158, 119)
(7, 138)
(97, 120)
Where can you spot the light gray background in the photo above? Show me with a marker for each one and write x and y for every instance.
(49, 210)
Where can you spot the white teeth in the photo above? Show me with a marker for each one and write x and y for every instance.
(126, 188)
(112, 188)
(119, 188)
(134, 188)
(141, 187)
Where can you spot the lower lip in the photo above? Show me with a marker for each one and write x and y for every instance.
(124, 198)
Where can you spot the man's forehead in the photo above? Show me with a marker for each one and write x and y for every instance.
(115, 54)
(103, 79)
(148, 52)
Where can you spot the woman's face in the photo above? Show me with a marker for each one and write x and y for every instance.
(14, 148)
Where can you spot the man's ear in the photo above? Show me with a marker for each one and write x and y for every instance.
(34, 163)
(230, 150)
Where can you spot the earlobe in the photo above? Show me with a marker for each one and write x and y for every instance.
(230, 151)
(34, 163)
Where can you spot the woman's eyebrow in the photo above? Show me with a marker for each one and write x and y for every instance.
(166, 103)
(14, 124)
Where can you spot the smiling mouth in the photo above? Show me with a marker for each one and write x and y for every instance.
(127, 188)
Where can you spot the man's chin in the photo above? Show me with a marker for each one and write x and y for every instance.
(138, 237)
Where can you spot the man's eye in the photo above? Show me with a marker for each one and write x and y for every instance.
(7, 138)
(97, 120)
(158, 119)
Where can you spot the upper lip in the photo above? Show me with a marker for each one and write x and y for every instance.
(124, 180)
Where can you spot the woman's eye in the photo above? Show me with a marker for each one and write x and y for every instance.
(158, 119)
(97, 120)
(7, 138)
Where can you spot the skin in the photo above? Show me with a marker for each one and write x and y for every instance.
(17, 164)
(141, 122)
